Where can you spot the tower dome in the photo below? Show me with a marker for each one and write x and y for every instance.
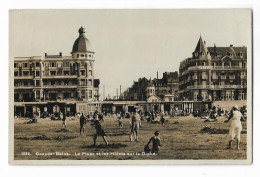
(81, 44)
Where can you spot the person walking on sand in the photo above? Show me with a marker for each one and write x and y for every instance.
(82, 122)
(156, 142)
(236, 126)
(120, 120)
(162, 120)
(63, 118)
(99, 132)
(135, 124)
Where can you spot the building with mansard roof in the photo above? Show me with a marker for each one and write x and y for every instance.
(214, 73)
(55, 83)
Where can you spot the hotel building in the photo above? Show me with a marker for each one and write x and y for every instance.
(214, 73)
(55, 83)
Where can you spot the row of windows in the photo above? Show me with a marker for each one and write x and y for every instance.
(26, 65)
(51, 64)
(82, 55)
(27, 83)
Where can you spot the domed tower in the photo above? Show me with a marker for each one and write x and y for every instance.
(81, 47)
(84, 68)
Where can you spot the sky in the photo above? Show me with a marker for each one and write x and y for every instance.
(128, 44)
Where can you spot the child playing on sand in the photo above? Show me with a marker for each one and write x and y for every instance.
(99, 132)
(156, 142)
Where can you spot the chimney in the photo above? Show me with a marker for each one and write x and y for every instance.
(45, 54)
(215, 49)
(231, 45)
(205, 42)
(61, 54)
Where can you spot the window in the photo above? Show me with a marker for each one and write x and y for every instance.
(15, 65)
(90, 72)
(37, 64)
(66, 73)
(83, 94)
(52, 82)
(66, 95)
(90, 93)
(82, 72)
(66, 64)
(37, 83)
(82, 55)
(15, 83)
(90, 82)
(37, 94)
(37, 73)
(25, 83)
(25, 65)
(52, 73)
(16, 73)
(66, 82)
(52, 64)
(26, 73)
(82, 82)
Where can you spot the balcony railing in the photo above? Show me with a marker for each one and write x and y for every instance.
(23, 77)
(60, 77)
(214, 86)
(26, 87)
(199, 67)
(223, 77)
(58, 86)
(194, 77)
(225, 67)
(214, 77)
(213, 67)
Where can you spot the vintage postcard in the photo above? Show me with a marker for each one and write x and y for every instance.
(128, 86)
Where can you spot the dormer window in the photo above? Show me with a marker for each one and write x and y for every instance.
(203, 53)
(82, 55)
(196, 54)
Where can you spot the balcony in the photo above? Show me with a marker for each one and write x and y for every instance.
(214, 86)
(232, 77)
(223, 77)
(58, 86)
(23, 77)
(225, 67)
(201, 87)
(200, 68)
(26, 87)
(60, 77)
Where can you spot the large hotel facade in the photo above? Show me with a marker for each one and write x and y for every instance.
(214, 73)
(55, 83)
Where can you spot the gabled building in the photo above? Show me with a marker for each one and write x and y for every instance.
(214, 73)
